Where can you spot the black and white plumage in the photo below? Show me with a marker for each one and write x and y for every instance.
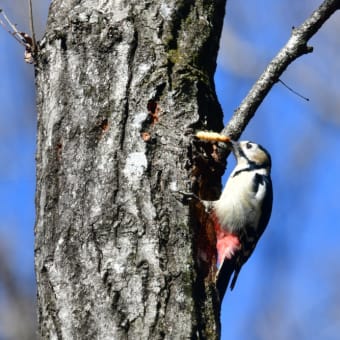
(243, 210)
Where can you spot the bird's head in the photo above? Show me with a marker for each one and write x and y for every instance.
(251, 154)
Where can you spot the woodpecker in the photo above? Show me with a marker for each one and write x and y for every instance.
(243, 210)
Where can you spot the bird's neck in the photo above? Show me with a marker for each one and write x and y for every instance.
(250, 167)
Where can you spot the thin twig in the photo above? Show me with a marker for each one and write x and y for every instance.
(22, 37)
(292, 90)
(9, 22)
(294, 48)
(15, 34)
(34, 42)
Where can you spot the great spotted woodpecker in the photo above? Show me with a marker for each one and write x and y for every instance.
(242, 212)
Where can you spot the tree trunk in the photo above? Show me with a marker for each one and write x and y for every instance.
(121, 86)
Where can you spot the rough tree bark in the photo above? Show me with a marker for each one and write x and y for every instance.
(120, 86)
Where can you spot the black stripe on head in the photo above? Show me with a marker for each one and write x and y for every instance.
(252, 166)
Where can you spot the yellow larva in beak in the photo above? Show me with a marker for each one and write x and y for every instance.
(212, 137)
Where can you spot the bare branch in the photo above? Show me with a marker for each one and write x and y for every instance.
(15, 34)
(295, 47)
(22, 37)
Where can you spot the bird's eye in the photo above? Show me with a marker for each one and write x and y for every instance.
(249, 145)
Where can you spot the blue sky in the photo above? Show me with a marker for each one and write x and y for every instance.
(291, 280)
(17, 151)
(288, 289)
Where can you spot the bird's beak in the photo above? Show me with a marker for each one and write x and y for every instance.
(234, 146)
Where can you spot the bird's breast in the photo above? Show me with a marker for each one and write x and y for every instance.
(238, 205)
